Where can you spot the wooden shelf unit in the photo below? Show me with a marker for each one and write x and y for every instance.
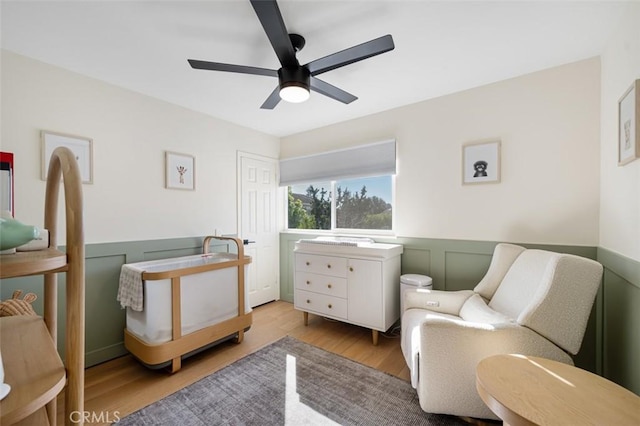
(39, 262)
(35, 372)
(32, 365)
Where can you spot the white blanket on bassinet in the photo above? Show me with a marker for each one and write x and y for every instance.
(130, 292)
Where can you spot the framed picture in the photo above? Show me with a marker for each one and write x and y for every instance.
(628, 121)
(180, 171)
(481, 162)
(7, 184)
(81, 147)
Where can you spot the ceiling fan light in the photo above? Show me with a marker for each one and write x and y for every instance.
(295, 93)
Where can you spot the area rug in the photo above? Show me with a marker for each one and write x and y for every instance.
(290, 382)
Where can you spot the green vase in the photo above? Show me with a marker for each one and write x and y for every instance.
(14, 233)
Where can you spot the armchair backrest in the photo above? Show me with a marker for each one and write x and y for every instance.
(550, 293)
(529, 274)
(503, 257)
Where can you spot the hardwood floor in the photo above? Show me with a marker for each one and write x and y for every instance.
(119, 387)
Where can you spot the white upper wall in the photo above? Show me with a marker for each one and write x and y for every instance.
(127, 200)
(620, 185)
(548, 123)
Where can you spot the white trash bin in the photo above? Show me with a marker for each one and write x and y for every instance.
(412, 281)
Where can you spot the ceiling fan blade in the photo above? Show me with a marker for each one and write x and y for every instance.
(272, 100)
(271, 19)
(216, 66)
(353, 54)
(331, 91)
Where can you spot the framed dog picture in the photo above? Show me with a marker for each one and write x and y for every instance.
(481, 162)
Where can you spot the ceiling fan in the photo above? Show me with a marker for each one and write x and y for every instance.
(296, 80)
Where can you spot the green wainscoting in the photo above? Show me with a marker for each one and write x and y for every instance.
(611, 346)
(621, 319)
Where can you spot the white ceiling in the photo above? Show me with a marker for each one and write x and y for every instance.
(441, 47)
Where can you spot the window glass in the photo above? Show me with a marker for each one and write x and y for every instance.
(310, 206)
(363, 203)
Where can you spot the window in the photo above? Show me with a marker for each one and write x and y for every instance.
(350, 188)
(356, 203)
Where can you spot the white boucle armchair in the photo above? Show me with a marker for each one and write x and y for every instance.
(531, 302)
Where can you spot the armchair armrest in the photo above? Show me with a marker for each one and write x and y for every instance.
(478, 340)
(450, 350)
(446, 302)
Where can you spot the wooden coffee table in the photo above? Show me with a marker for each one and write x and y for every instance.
(525, 390)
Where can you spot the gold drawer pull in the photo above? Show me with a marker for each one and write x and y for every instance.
(330, 306)
(329, 285)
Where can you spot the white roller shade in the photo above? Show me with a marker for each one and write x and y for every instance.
(375, 159)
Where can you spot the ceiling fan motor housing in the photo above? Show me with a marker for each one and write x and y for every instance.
(294, 77)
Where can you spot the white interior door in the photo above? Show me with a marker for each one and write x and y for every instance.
(258, 224)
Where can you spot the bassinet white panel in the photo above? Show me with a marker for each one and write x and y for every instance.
(206, 298)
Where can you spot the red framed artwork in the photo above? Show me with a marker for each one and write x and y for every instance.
(7, 183)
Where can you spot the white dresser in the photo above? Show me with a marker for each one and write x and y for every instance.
(349, 280)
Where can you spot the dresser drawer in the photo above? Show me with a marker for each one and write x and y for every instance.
(325, 265)
(320, 304)
(325, 284)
